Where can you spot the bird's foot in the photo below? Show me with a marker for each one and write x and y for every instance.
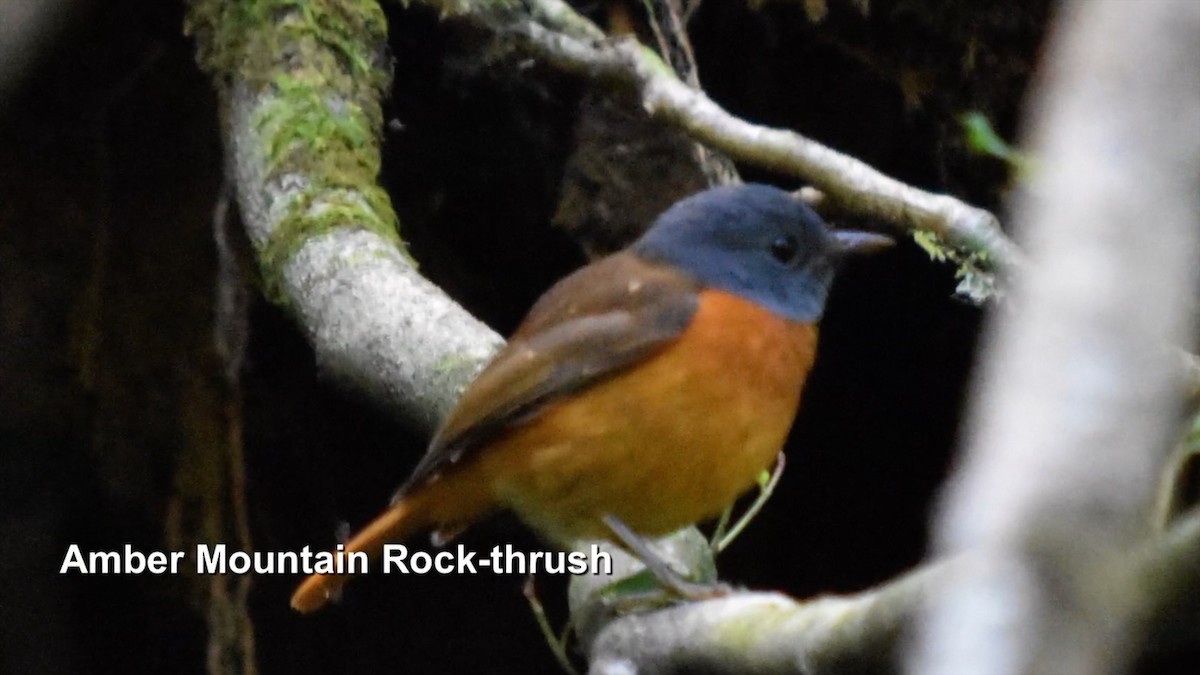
(658, 569)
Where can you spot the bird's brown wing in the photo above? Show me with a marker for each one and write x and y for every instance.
(595, 322)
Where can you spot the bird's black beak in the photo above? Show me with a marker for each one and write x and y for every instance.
(854, 242)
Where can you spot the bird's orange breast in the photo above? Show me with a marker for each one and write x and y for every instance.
(668, 442)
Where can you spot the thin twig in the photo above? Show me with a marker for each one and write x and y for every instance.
(765, 490)
(670, 31)
(556, 643)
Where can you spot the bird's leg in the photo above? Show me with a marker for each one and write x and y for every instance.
(662, 571)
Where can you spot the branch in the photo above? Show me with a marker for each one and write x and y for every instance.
(553, 32)
(746, 631)
(763, 632)
(766, 632)
(1080, 405)
(300, 91)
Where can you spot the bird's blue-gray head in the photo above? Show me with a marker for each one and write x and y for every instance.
(758, 242)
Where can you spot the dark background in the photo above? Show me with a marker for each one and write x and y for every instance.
(110, 164)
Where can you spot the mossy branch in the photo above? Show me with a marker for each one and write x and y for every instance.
(301, 84)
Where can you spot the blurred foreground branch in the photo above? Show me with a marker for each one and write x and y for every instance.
(1079, 403)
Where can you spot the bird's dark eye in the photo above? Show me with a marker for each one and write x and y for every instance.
(785, 248)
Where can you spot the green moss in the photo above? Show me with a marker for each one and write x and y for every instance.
(320, 211)
(333, 144)
(325, 63)
(256, 38)
(743, 635)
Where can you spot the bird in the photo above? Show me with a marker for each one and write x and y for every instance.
(642, 393)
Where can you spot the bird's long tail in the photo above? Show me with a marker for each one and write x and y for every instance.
(404, 519)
